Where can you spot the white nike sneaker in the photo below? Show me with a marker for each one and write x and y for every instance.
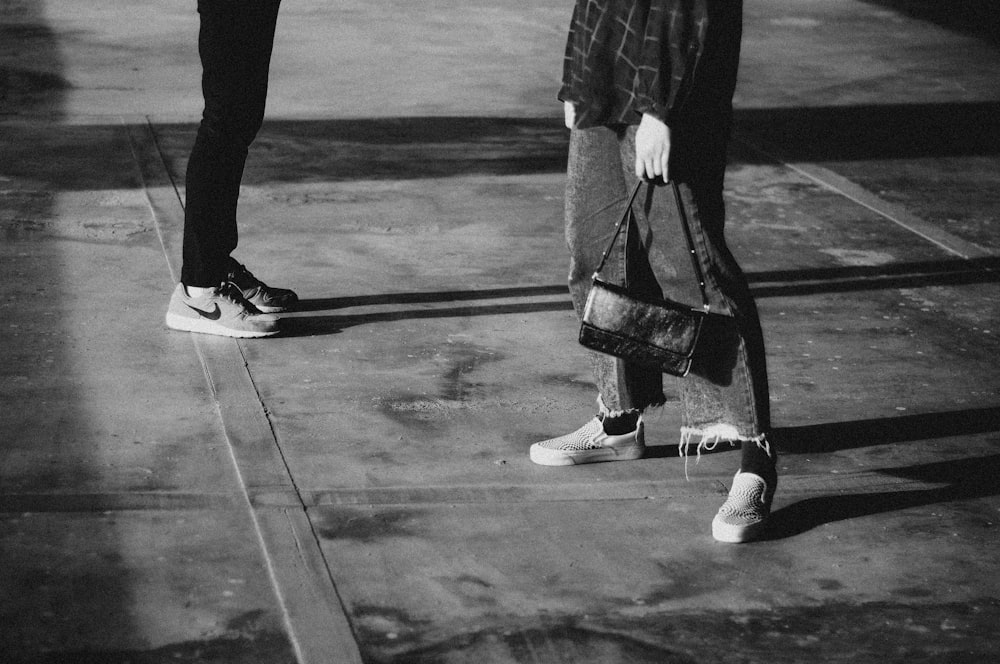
(222, 311)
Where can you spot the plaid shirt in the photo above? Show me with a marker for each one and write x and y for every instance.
(629, 57)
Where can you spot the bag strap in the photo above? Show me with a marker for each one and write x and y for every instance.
(627, 214)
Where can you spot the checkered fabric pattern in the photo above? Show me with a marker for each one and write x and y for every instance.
(587, 437)
(629, 57)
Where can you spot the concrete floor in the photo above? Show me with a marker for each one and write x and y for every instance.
(358, 489)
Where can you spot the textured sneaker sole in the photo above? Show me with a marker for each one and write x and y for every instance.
(185, 324)
(545, 456)
(733, 534)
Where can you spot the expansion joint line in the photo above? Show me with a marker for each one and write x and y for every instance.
(861, 196)
(314, 613)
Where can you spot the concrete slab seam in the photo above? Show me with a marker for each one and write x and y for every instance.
(97, 502)
(276, 498)
(314, 612)
(312, 609)
(861, 196)
(865, 482)
(144, 148)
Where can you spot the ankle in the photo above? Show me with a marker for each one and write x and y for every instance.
(759, 458)
(197, 291)
(620, 422)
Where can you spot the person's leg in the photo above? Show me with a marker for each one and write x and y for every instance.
(216, 294)
(596, 194)
(725, 396)
(234, 43)
(595, 199)
(728, 385)
(731, 389)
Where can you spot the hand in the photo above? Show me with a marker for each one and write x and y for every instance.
(652, 148)
(569, 111)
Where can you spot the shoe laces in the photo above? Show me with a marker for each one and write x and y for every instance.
(231, 293)
(241, 276)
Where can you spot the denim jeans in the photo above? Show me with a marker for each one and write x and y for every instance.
(234, 42)
(725, 396)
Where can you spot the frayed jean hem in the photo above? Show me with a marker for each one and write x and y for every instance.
(711, 437)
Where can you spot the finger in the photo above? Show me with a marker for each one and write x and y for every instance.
(657, 167)
(647, 170)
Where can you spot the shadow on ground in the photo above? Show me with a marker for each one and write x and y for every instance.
(838, 436)
(960, 479)
(978, 18)
(783, 283)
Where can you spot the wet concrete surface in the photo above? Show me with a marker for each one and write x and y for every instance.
(358, 488)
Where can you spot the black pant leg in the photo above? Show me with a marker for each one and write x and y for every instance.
(234, 43)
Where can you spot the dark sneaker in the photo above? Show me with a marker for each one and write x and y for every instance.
(744, 514)
(223, 311)
(589, 444)
(265, 298)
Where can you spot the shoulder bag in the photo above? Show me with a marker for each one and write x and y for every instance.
(657, 332)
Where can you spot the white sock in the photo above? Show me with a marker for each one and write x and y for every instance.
(197, 291)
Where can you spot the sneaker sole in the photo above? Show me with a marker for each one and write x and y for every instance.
(730, 534)
(185, 324)
(545, 456)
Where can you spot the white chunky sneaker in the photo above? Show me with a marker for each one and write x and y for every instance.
(743, 516)
(222, 311)
(589, 444)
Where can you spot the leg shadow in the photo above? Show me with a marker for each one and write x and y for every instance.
(836, 436)
(318, 325)
(297, 325)
(961, 479)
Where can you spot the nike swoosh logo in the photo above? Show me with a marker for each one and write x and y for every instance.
(216, 314)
